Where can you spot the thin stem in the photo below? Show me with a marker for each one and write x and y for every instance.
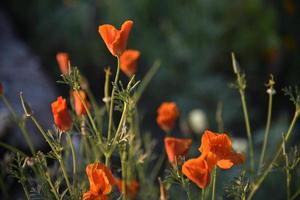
(25, 190)
(20, 124)
(99, 136)
(54, 149)
(288, 178)
(12, 149)
(202, 194)
(158, 165)
(214, 183)
(296, 194)
(73, 157)
(262, 156)
(52, 187)
(248, 127)
(112, 147)
(147, 79)
(277, 154)
(63, 168)
(219, 117)
(111, 107)
(124, 177)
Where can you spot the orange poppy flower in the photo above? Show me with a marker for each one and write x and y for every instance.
(79, 108)
(131, 188)
(128, 61)
(176, 147)
(167, 115)
(197, 171)
(61, 115)
(101, 182)
(1, 89)
(63, 60)
(91, 196)
(116, 40)
(217, 149)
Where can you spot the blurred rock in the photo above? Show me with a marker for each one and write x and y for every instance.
(20, 70)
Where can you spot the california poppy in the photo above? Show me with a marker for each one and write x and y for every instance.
(167, 115)
(61, 115)
(128, 61)
(101, 182)
(79, 107)
(176, 147)
(1, 89)
(197, 171)
(63, 60)
(116, 40)
(217, 149)
(131, 188)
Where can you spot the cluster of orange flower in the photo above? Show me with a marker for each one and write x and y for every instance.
(216, 149)
(100, 177)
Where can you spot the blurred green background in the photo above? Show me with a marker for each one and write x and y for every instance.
(192, 38)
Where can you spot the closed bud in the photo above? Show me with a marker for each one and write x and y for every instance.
(27, 110)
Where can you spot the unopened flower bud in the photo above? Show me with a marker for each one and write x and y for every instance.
(235, 64)
(27, 110)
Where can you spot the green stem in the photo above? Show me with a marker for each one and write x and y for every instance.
(12, 149)
(296, 194)
(63, 168)
(52, 187)
(147, 79)
(202, 194)
(262, 156)
(99, 136)
(214, 183)
(257, 183)
(288, 178)
(20, 124)
(247, 123)
(25, 190)
(111, 107)
(54, 149)
(158, 165)
(112, 147)
(124, 177)
(73, 157)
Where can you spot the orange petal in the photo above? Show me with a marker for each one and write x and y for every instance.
(197, 171)
(176, 147)
(120, 43)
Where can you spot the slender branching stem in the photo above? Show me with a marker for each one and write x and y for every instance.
(111, 106)
(20, 124)
(25, 189)
(55, 151)
(248, 128)
(214, 183)
(259, 181)
(268, 125)
(202, 196)
(287, 171)
(147, 80)
(118, 131)
(73, 157)
(52, 187)
(98, 133)
(12, 149)
(296, 194)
